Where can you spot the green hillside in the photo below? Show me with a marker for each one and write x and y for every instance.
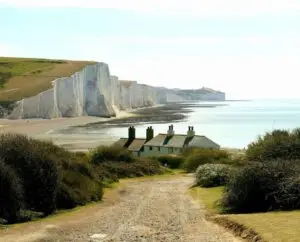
(26, 77)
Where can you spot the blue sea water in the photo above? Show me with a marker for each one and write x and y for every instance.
(234, 125)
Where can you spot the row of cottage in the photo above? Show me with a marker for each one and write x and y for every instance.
(163, 144)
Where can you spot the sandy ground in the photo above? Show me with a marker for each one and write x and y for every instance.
(56, 130)
(45, 129)
(159, 209)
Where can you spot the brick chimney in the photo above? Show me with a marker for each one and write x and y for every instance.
(149, 134)
(131, 133)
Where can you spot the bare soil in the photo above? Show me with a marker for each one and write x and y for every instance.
(157, 209)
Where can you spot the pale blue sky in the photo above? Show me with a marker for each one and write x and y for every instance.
(249, 50)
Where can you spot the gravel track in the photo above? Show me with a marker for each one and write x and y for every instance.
(156, 210)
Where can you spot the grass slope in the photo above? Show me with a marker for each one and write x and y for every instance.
(272, 226)
(26, 77)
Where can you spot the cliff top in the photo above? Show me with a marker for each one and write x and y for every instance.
(26, 77)
(126, 83)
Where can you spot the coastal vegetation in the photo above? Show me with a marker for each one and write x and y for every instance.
(265, 184)
(278, 144)
(194, 157)
(173, 162)
(26, 77)
(213, 175)
(275, 226)
(38, 178)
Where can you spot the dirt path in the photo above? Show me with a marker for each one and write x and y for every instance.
(153, 210)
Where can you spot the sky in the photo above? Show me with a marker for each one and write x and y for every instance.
(248, 49)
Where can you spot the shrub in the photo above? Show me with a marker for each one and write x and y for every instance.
(110, 153)
(77, 189)
(78, 182)
(279, 144)
(288, 193)
(259, 187)
(118, 170)
(213, 175)
(10, 194)
(197, 157)
(147, 167)
(173, 162)
(34, 164)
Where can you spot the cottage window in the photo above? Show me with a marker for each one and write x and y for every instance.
(170, 150)
(158, 148)
(150, 147)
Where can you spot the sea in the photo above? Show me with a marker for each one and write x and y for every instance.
(232, 124)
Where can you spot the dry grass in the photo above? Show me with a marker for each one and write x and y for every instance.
(32, 76)
(208, 196)
(272, 226)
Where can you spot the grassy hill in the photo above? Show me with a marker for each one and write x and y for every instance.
(26, 77)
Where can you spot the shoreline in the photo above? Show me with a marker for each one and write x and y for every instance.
(172, 112)
(71, 134)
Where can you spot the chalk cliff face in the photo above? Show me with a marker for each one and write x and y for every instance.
(94, 92)
(134, 95)
(165, 95)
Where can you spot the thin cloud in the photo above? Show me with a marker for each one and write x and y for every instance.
(200, 8)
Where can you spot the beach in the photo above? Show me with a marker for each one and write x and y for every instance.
(47, 129)
(60, 131)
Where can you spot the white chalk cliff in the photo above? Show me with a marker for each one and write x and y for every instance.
(93, 92)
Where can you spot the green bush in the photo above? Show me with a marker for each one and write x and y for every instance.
(197, 157)
(279, 144)
(51, 176)
(213, 175)
(118, 170)
(173, 162)
(110, 153)
(10, 194)
(36, 168)
(260, 187)
(77, 189)
(78, 183)
(288, 193)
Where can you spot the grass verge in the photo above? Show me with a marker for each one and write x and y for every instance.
(26, 77)
(271, 226)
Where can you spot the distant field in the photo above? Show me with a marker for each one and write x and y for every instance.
(24, 77)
